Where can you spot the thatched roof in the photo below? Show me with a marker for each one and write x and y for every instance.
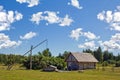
(84, 57)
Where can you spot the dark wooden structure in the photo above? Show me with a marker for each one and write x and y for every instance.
(81, 61)
(50, 68)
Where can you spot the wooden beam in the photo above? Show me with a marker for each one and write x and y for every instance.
(31, 57)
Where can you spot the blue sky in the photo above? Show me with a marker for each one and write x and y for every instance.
(69, 25)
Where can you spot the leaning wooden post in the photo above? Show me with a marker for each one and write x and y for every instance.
(31, 57)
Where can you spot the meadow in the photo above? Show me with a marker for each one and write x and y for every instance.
(17, 74)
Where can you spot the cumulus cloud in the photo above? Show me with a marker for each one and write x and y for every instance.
(116, 37)
(113, 43)
(31, 3)
(111, 17)
(89, 45)
(75, 34)
(51, 18)
(7, 18)
(5, 41)
(1, 8)
(90, 35)
(66, 21)
(110, 45)
(75, 3)
(118, 8)
(37, 17)
(28, 35)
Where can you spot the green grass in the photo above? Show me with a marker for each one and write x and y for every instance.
(73, 75)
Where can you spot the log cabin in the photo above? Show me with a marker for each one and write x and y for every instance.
(81, 61)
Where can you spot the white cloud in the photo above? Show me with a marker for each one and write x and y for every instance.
(37, 17)
(3, 37)
(75, 3)
(118, 8)
(9, 44)
(31, 3)
(90, 35)
(115, 26)
(75, 34)
(116, 37)
(18, 16)
(5, 42)
(101, 16)
(106, 16)
(11, 16)
(51, 18)
(110, 45)
(7, 18)
(66, 21)
(1, 8)
(28, 35)
(116, 17)
(113, 43)
(111, 17)
(89, 45)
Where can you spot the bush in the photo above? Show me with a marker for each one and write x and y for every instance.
(105, 63)
(117, 64)
(111, 61)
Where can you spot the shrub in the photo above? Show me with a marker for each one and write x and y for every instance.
(117, 64)
(105, 63)
(111, 61)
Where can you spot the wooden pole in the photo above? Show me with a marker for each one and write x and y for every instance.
(31, 57)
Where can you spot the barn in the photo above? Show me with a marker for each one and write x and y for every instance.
(81, 61)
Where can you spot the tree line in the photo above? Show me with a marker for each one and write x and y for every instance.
(39, 60)
(45, 58)
(104, 57)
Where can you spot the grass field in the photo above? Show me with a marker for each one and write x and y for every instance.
(72, 75)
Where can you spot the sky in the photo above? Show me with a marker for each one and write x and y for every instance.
(68, 25)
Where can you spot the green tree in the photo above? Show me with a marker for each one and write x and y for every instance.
(117, 64)
(111, 56)
(47, 53)
(2, 58)
(60, 56)
(105, 56)
(10, 60)
(65, 54)
(98, 54)
(42, 60)
(88, 51)
(118, 57)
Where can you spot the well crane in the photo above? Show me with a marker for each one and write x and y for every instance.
(31, 49)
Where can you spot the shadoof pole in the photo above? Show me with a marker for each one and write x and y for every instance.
(31, 49)
(31, 57)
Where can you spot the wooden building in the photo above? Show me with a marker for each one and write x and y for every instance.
(81, 61)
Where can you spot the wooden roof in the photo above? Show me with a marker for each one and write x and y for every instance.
(84, 57)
